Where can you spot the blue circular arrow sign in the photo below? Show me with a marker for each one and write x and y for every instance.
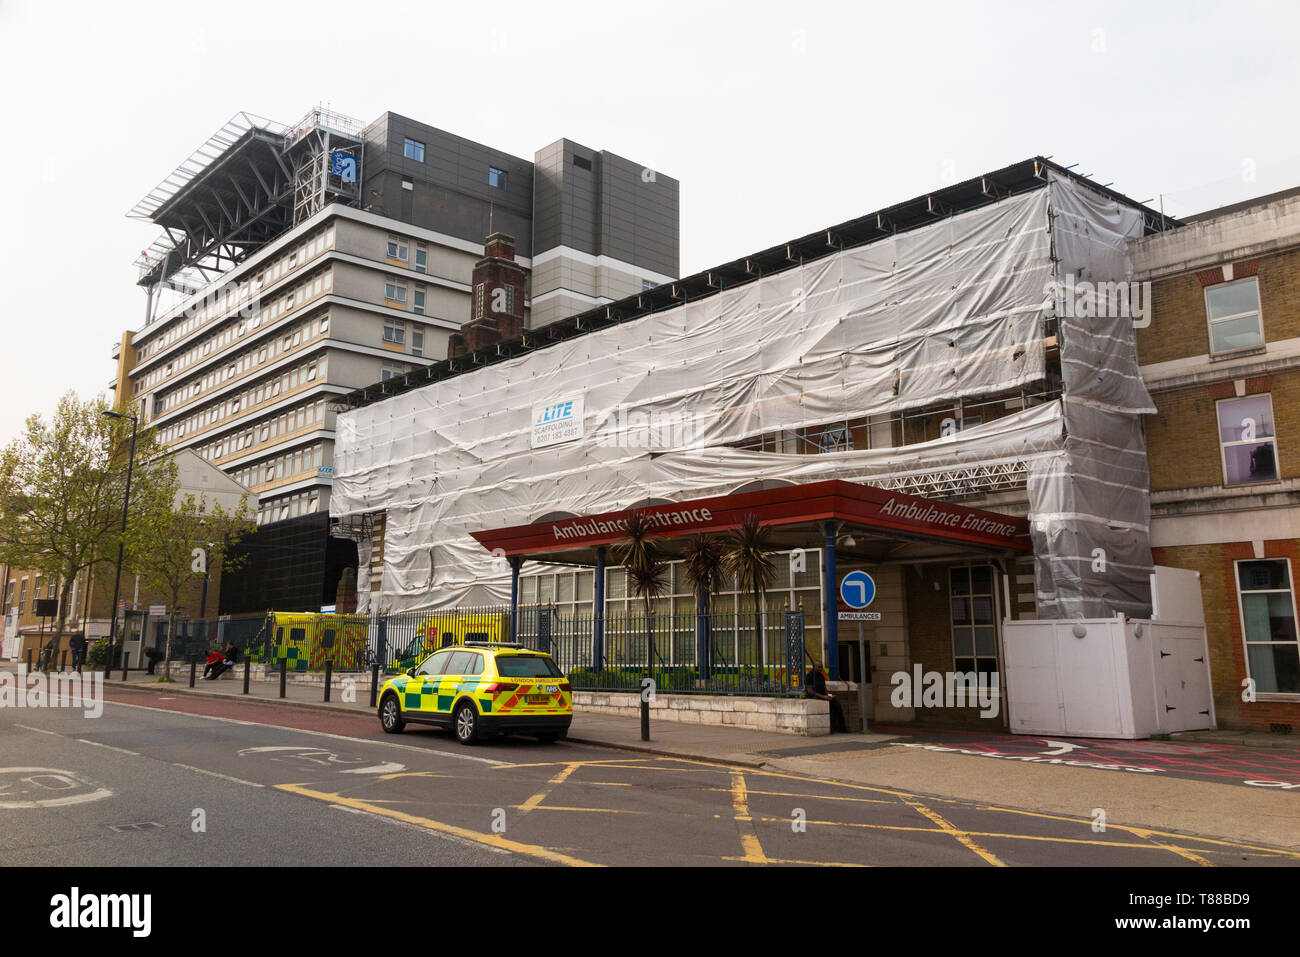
(857, 589)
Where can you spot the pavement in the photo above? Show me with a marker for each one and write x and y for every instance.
(1224, 793)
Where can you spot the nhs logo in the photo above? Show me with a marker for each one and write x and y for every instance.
(557, 421)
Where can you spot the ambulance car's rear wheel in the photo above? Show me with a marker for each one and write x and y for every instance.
(466, 724)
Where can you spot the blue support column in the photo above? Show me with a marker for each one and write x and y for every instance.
(515, 562)
(598, 613)
(831, 619)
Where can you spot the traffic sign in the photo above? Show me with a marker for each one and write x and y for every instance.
(857, 589)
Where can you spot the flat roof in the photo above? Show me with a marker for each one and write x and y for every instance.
(1029, 174)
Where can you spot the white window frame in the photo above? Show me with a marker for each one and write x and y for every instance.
(391, 286)
(403, 253)
(1257, 312)
(1241, 622)
(1223, 446)
(395, 331)
(407, 149)
(970, 596)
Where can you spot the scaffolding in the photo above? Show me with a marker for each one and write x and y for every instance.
(250, 182)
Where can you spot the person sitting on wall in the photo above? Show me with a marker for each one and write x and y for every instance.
(815, 686)
(220, 662)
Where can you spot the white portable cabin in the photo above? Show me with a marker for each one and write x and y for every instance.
(1114, 677)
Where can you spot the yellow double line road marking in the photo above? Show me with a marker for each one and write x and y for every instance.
(491, 840)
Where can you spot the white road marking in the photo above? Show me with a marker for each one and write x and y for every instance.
(390, 767)
(37, 730)
(323, 734)
(1061, 747)
(215, 774)
(67, 776)
(108, 747)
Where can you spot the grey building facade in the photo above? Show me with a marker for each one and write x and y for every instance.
(317, 259)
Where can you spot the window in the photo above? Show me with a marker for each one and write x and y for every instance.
(836, 439)
(421, 259)
(1232, 309)
(1268, 625)
(974, 633)
(526, 666)
(509, 297)
(478, 301)
(22, 596)
(1246, 440)
(395, 292)
(434, 664)
(413, 150)
(419, 300)
(417, 343)
(496, 177)
(397, 249)
(647, 285)
(581, 162)
(394, 331)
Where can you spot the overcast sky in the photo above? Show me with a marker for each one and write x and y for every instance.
(778, 119)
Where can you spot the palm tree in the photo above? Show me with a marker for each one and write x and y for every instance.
(703, 568)
(647, 576)
(746, 559)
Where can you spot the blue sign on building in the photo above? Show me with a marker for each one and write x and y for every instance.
(857, 589)
(343, 165)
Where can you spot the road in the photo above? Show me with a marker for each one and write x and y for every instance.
(163, 779)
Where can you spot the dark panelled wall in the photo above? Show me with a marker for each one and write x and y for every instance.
(290, 566)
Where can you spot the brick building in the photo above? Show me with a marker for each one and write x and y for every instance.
(1221, 358)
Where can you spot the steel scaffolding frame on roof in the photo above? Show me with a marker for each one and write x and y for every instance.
(246, 185)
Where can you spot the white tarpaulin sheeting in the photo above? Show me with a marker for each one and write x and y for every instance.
(952, 310)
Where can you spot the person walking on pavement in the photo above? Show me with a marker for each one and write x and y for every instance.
(77, 645)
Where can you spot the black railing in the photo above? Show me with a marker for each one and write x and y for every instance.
(744, 653)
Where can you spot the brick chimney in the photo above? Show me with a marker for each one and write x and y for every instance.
(497, 303)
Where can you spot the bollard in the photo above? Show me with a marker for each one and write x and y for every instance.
(29, 659)
(194, 662)
(247, 665)
(329, 673)
(63, 659)
(284, 674)
(126, 658)
(374, 684)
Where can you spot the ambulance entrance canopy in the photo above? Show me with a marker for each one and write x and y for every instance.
(860, 523)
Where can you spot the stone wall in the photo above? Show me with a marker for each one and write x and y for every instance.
(807, 716)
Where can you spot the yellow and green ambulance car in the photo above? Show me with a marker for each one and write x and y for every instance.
(478, 689)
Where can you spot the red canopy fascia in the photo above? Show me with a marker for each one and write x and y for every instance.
(833, 500)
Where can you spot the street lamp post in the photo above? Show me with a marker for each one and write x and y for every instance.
(126, 504)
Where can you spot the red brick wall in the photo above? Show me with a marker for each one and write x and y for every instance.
(1223, 628)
